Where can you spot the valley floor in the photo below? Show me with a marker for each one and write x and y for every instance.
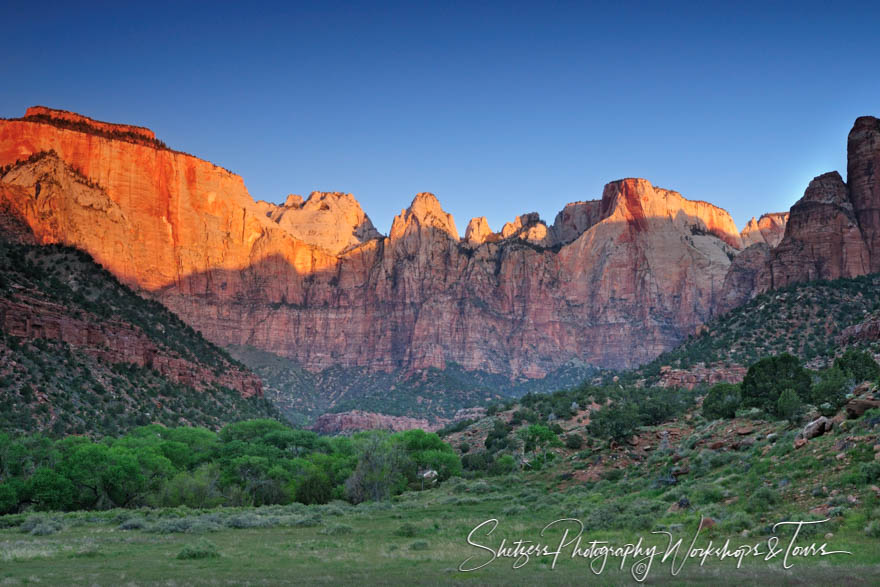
(421, 538)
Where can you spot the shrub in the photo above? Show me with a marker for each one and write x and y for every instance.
(46, 527)
(574, 441)
(761, 500)
(831, 388)
(316, 488)
(722, 401)
(768, 378)
(136, 523)
(200, 550)
(788, 405)
(420, 545)
(337, 530)
(504, 465)
(858, 365)
(407, 530)
(615, 422)
(872, 530)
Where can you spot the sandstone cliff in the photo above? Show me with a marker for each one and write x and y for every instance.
(768, 229)
(613, 282)
(833, 230)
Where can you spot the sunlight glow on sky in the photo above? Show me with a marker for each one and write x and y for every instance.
(498, 108)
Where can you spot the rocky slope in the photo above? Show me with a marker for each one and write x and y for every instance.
(81, 353)
(612, 282)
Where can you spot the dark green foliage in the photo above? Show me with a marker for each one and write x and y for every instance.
(788, 405)
(831, 387)
(574, 441)
(615, 422)
(722, 401)
(315, 488)
(858, 366)
(769, 377)
(257, 462)
(200, 550)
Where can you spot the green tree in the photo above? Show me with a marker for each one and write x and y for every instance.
(858, 365)
(788, 405)
(765, 381)
(615, 422)
(831, 387)
(722, 401)
(315, 488)
(49, 490)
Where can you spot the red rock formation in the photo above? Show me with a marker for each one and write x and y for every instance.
(63, 116)
(341, 422)
(769, 229)
(822, 239)
(113, 341)
(701, 374)
(644, 271)
(477, 231)
(863, 180)
(573, 220)
(643, 266)
(331, 220)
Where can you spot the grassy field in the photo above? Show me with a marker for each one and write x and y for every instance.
(420, 538)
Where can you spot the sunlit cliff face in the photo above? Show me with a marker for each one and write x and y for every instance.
(612, 282)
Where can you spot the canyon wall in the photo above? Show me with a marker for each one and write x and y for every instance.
(612, 282)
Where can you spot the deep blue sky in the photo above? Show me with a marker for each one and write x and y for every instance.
(498, 108)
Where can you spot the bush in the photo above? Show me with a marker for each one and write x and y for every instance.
(135, 523)
(316, 488)
(788, 405)
(831, 388)
(407, 531)
(615, 422)
(200, 550)
(420, 545)
(722, 401)
(768, 378)
(873, 529)
(858, 365)
(574, 441)
(337, 530)
(761, 500)
(46, 527)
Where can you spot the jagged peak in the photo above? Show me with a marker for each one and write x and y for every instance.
(828, 188)
(478, 231)
(293, 201)
(424, 212)
(636, 201)
(333, 221)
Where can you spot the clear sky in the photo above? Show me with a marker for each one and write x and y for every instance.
(498, 108)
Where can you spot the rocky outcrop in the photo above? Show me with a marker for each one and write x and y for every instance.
(769, 230)
(342, 422)
(822, 239)
(701, 374)
(331, 220)
(478, 231)
(573, 220)
(743, 277)
(114, 341)
(71, 119)
(863, 181)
